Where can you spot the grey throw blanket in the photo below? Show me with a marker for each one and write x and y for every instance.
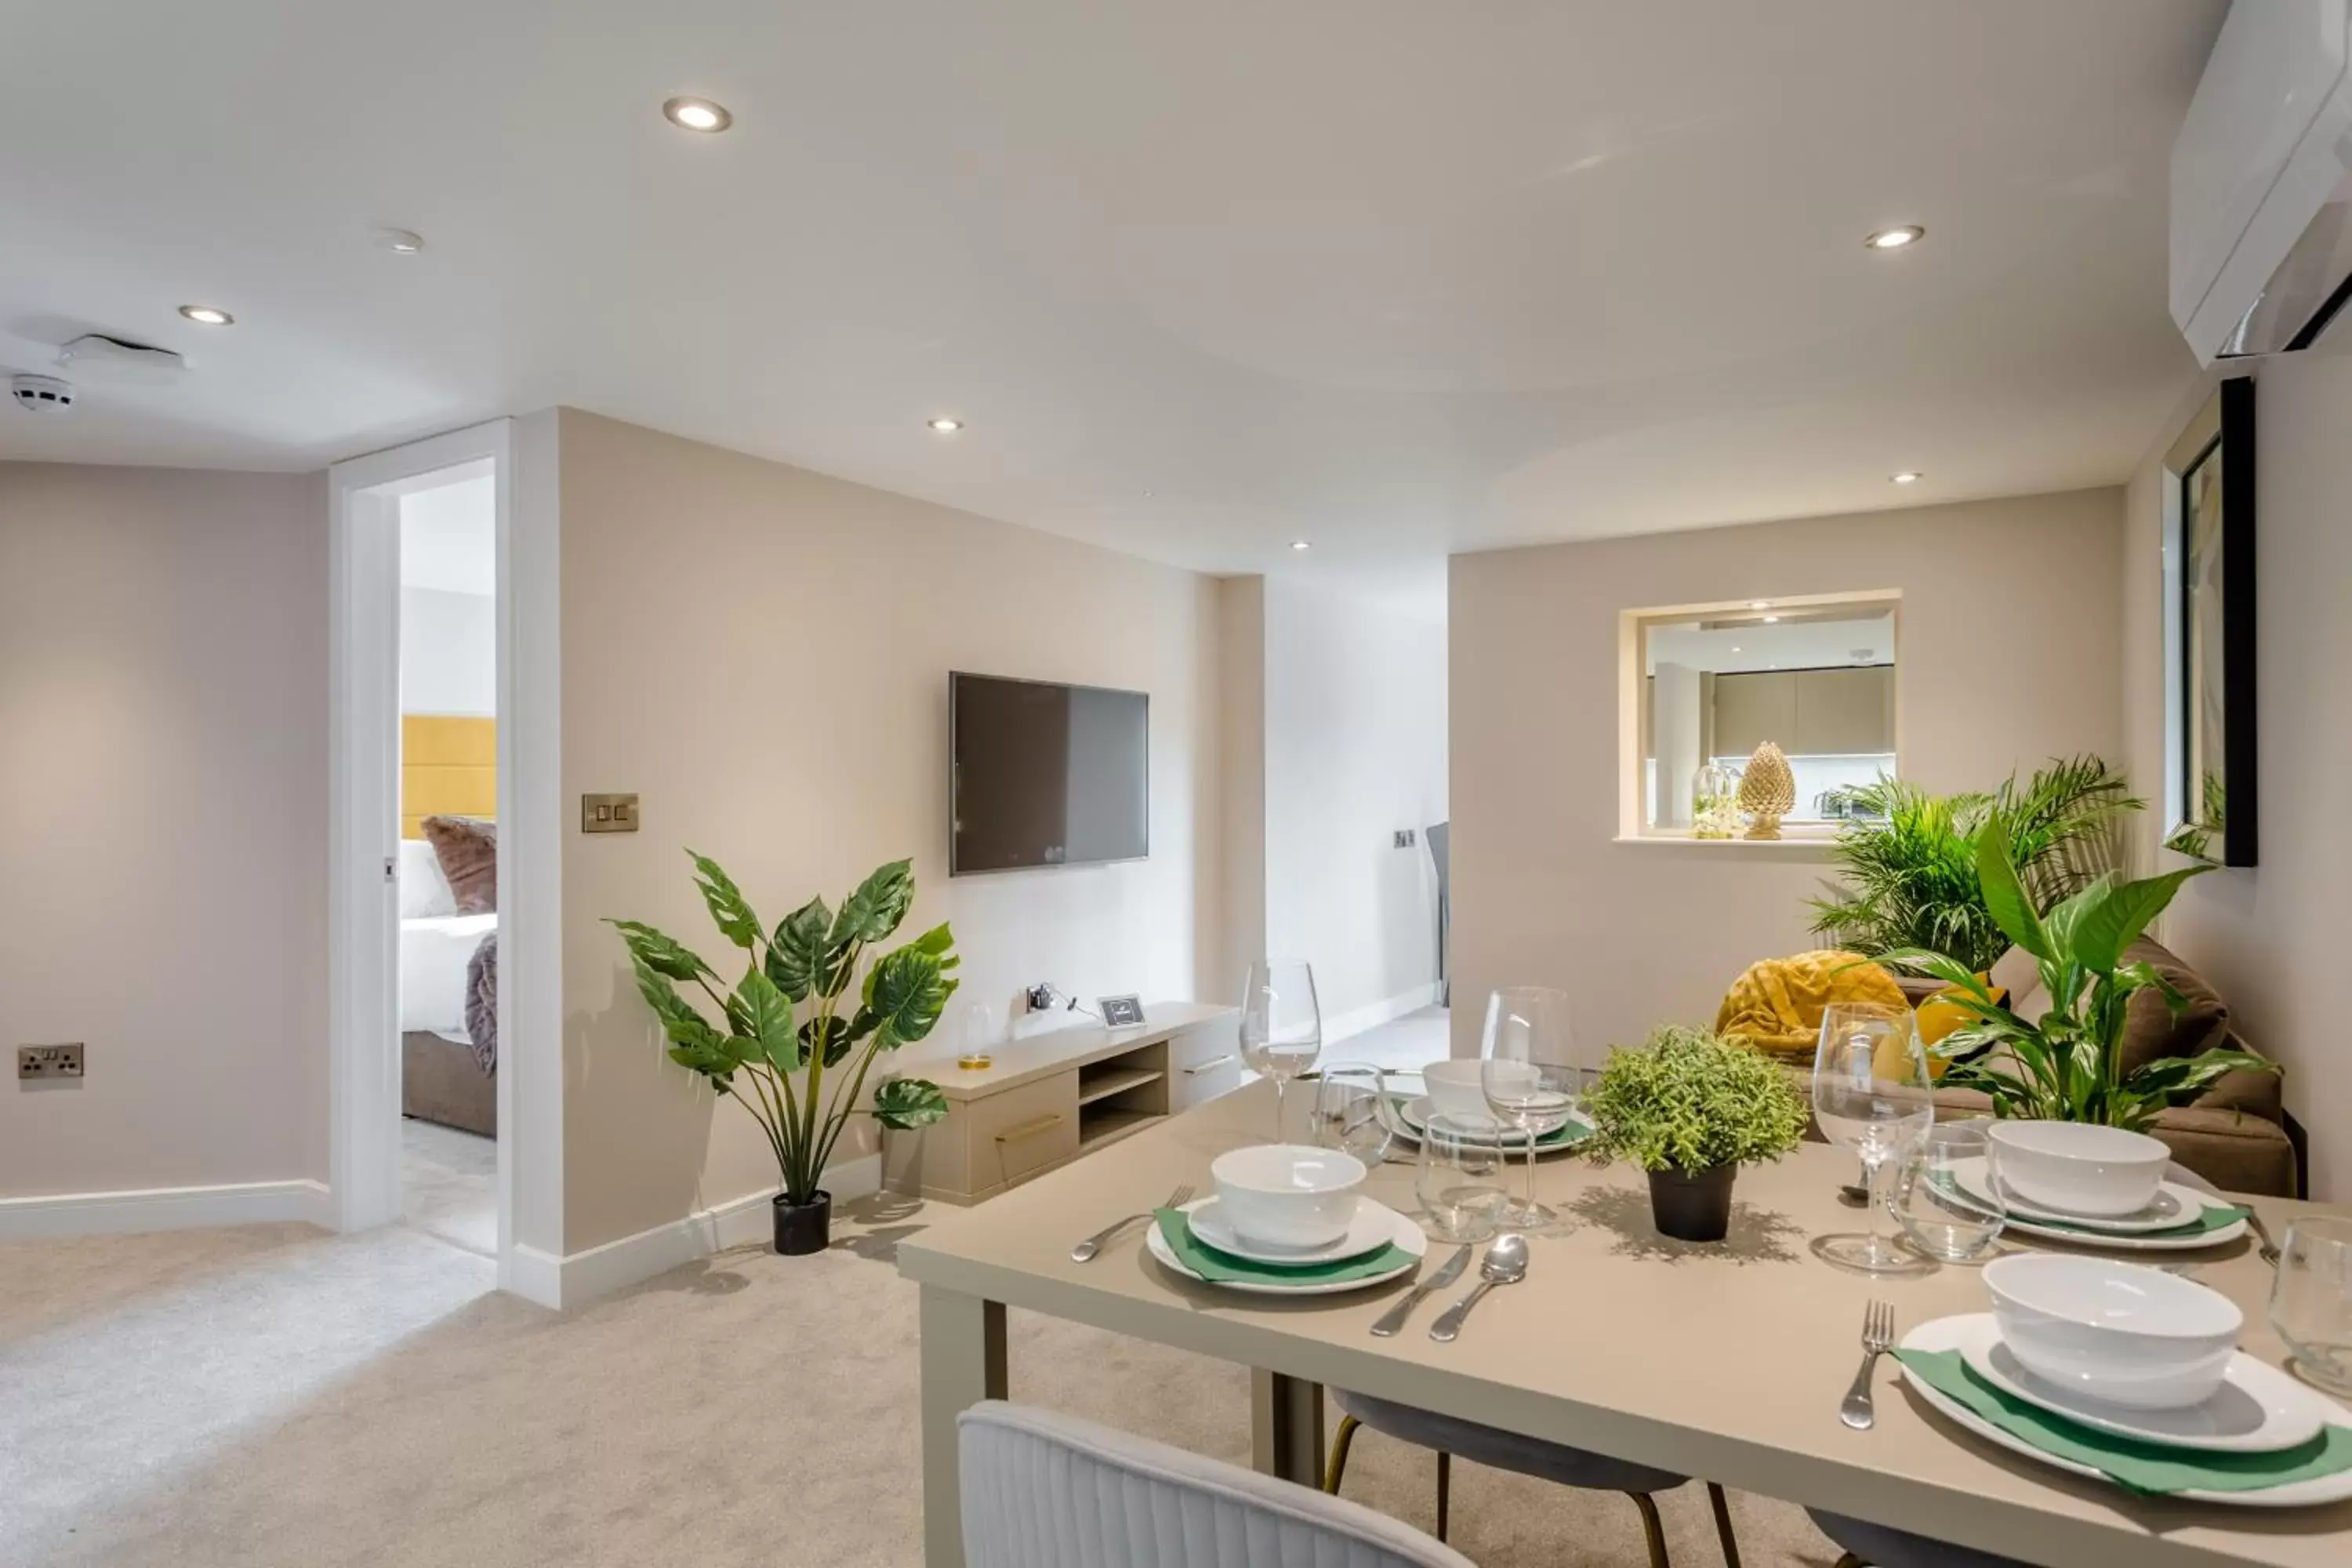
(482, 1002)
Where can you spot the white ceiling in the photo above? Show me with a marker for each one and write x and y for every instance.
(449, 536)
(1397, 277)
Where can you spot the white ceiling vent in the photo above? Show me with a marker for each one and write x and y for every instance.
(42, 394)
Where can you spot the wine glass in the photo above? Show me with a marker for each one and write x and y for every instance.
(1950, 1220)
(1351, 1111)
(1528, 1070)
(1871, 1092)
(1282, 1023)
(2311, 1300)
(1459, 1178)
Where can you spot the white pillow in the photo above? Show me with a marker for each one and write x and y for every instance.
(424, 891)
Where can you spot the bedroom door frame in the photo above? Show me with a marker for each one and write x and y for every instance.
(363, 926)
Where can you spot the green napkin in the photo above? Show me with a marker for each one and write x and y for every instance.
(2151, 1470)
(1224, 1269)
(2211, 1217)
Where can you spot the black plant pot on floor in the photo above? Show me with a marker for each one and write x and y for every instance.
(804, 1228)
(1692, 1206)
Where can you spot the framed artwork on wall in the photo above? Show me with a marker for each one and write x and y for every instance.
(2210, 709)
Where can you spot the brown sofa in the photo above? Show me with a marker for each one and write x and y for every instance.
(2234, 1135)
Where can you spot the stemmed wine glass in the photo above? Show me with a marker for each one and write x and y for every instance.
(1282, 1023)
(1528, 1070)
(1871, 1092)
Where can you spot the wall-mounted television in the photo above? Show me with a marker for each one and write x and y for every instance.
(1042, 774)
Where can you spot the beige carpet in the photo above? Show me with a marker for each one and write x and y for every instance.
(448, 1185)
(276, 1396)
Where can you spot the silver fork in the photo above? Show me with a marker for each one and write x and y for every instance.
(2269, 1248)
(1086, 1249)
(1877, 1339)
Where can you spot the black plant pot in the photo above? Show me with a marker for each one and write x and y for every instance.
(804, 1228)
(1692, 1206)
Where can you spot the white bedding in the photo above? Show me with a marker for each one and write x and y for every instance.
(433, 957)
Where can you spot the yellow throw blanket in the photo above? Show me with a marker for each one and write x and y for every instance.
(1776, 1007)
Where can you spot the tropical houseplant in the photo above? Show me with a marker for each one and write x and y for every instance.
(1690, 1108)
(787, 1024)
(1909, 867)
(2067, 1066)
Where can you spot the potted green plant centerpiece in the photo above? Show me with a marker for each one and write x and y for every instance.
(786, 1025)
(1690, 1109)
(2067, 1066)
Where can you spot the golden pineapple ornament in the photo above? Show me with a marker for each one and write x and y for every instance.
(1768, 790)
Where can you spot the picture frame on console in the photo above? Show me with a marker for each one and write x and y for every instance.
(2209, 627)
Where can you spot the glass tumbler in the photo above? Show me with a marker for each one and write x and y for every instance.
(1460, 1179)
(1942, 1193)
(2311, 1300)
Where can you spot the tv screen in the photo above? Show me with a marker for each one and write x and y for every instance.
(1045, 774)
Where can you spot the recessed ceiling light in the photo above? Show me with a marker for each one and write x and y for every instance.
(1302, 544)
(1769, 619)
(697, 114)
(399, 241)
(1759, 604)
(1895, 239)
(207, 316)
(1906, 477)
(946, 426)
(1735, 648)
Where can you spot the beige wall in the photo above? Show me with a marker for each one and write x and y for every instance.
(762, 653)
(1355, 749)
(2010, 623)
(163, 877)
(1241, 723)
(2270, 937)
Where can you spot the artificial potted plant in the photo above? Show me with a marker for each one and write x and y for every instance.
(784, 1026)
(1690, 1108)
(2068, 1065)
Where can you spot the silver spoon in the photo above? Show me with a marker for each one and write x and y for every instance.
(1506, 1263)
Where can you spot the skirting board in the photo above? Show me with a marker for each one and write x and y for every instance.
(1387, 1010)
(165, 1208)
(579, 1277)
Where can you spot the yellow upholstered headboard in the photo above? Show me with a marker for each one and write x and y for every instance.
(448, 767)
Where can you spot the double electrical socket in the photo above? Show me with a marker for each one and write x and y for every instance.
(49, 1061)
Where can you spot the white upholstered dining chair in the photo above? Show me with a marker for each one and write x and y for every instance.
(1883, 1546)
(1041, 1489)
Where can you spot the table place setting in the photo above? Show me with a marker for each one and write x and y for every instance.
(1287, 1220)
(2126, 1374)
(2088, 1185)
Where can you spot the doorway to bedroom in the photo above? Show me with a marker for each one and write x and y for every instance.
(447, 1036)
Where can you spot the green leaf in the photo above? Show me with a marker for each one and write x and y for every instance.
(872, 912)
(801, 954)
(835, 1033)
(663, 954)
(733, 917)
(907, 991)
(766, 1019)
(2115, 923)
(673, 1010)
(904, 1103)
(1950, 971)
(2175, 1081)
(2004, 894)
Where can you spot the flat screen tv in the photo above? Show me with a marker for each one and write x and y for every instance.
(1044, 774)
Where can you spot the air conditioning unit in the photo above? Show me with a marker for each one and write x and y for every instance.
(2261, 183)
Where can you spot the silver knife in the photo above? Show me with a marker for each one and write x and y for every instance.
(1394, 1318)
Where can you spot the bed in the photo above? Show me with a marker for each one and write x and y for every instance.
(448, 985)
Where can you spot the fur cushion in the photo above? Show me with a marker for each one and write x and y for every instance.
(468, 847)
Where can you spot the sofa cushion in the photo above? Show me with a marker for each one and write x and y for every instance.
(2151, 1031)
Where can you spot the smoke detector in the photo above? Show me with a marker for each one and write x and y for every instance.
(42, 394)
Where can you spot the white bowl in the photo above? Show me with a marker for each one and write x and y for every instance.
(1455, 1088)
(1287, 1195)
(2078, 1168)
(2113, 1331)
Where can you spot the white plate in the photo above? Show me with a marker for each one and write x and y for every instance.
(1369, 1230)
(2174, 1204)
(1402, 1231)
(1947, 1334)
(2108, 1241)
(2258, 1410)
(1415, 1113)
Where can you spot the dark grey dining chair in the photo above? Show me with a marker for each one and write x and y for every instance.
(1501, 1450)
(1867, 1545)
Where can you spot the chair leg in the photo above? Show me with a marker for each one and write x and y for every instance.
(1337, 1466)
(1723, 1526)
(1650, 1526)
(1851, 1561)
(1445, 1490)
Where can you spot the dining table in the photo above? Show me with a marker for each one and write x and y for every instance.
(1722, 1361)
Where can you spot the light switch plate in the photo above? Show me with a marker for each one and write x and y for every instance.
(608, 814)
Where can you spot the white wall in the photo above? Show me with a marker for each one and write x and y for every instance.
(762, 653)
(448, 652)
(2269, 937)
(163, 881)
(1355, 749)
(2010, 623)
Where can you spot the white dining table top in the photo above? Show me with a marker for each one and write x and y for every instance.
(1724, 1362)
